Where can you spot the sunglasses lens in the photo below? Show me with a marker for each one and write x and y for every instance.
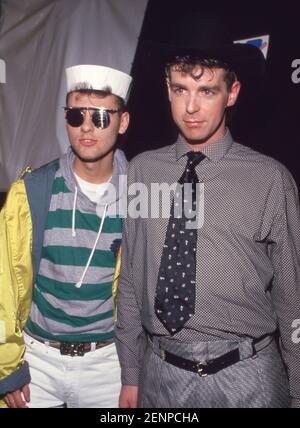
(74, 117)
(101, 118)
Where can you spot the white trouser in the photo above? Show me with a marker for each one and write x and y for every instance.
(92, 380)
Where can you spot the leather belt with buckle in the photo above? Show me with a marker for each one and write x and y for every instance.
(209, 368)
(77, 349)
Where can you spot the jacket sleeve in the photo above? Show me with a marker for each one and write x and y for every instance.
(115, 283)
(129, 333)
(15, 287)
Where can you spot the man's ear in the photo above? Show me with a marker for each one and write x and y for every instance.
(234, 93)
(124, 122)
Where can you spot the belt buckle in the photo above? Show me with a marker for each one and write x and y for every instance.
(73, 349)
(201, 370)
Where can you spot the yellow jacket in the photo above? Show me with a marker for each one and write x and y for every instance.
(15, 283)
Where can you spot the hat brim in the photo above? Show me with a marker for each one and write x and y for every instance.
(246, 60)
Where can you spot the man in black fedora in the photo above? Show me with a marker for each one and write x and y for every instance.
(207, 282)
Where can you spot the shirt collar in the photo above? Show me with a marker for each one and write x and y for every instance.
(214, 152)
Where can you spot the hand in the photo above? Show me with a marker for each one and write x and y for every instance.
(19, 398)
(128, 397)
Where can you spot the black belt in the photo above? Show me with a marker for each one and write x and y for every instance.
(211, 366)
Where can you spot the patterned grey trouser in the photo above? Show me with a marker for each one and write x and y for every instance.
(255, 381)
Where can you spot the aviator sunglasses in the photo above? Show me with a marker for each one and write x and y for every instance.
(100, 116)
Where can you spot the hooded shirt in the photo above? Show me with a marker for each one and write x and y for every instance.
(72, 294)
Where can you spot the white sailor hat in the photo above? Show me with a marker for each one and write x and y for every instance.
(98, 77)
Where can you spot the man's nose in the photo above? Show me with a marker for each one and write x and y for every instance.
(87, 124)
(192, 104)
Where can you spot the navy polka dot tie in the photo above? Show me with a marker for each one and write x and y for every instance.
(176, 292)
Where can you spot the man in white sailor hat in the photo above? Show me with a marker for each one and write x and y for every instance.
(69, 241)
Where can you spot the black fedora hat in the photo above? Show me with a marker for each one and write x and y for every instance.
(204, 35)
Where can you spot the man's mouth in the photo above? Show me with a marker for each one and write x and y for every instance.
(87, 142)
(194, 123)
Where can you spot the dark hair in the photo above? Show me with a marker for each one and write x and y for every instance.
(187, 64)
(85, 89)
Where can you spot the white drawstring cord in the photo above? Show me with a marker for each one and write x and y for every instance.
(79, 283)
(74, 212)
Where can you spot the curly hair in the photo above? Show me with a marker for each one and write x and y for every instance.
(190, 65)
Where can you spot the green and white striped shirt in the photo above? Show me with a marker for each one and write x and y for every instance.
(60, 311)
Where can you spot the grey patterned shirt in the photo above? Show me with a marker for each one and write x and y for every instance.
(248, 254)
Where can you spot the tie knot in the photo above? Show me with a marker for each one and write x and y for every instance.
(189, 175)
(194, 158)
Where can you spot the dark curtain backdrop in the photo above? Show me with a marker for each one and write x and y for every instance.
(269, 123)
